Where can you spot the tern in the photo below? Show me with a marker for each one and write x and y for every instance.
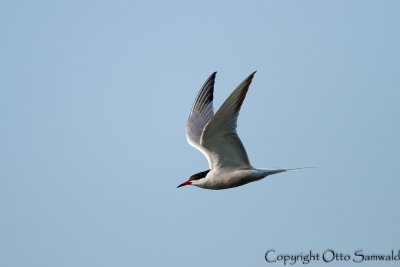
(216, 137)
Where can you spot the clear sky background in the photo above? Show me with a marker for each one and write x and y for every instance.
(94, 96)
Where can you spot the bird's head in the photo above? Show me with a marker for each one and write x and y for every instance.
(194, 179)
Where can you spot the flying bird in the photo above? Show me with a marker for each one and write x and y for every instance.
(215, 136)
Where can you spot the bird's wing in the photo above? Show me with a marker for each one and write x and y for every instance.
(200, 115)
(220, 137)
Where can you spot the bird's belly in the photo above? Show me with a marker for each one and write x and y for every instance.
(225, 180)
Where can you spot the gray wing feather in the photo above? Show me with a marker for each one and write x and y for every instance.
(220, 137)
(201, 113)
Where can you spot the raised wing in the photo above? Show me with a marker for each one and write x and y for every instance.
(200, 115)
(220, 138)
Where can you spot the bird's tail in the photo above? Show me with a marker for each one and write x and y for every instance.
(300, 168)
(267, 172)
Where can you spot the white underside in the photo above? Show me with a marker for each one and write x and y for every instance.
(227, 178)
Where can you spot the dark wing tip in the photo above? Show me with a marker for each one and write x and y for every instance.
(247, 81)
(212, 76)
(210, 80)
(251, 75)
(202, 106)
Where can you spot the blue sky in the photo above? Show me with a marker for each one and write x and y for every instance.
(94, 96)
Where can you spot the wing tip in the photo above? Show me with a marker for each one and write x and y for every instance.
(246, 83)
(250, 77)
